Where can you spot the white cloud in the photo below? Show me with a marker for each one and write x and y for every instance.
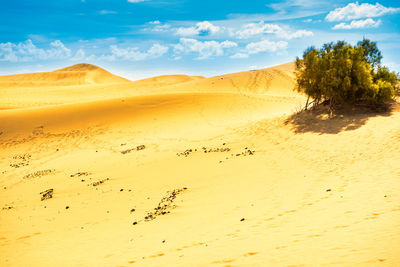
(259, 47)
(155, 22)
(79, 55)
(28, 51)
(296, 34)
(252, 29)
(161, 28)
(357, 11)
(358, 24)
(239, 56)
(136, 1)
(202, 28)
(266, 46)
(204, 49)
(157, 26)
(255, 29)
(134, 54)
(107, 12)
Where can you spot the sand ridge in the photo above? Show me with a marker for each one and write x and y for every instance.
(276, 81)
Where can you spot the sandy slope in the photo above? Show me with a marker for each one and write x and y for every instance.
(263, 187)
(86, 83)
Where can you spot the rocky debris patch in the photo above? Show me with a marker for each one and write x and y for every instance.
(79, 174)
(38, 174)
(163, 206)
(47, 194)
(246, 152)
(223, 148)
(141, 147)
(7, 207)
(20, 160)
(185, 153)
(98, 182)
(209, 150)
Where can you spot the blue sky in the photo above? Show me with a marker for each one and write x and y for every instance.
(144, 38)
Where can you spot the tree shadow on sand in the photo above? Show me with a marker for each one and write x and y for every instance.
(345, 119)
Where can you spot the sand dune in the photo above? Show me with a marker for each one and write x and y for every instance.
(278, 80)
(76, 84)
(186, 171)
(165, 80)
(80, 74)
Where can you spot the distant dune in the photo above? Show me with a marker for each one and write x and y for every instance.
(165, 80)
(80, 74)
(278, 80)
(85, 83)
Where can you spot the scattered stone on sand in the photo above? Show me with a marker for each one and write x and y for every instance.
(242, 219)
(79, 174)
(7, 207)
(164, 205)
(21, 160)
(99, 182)
(66, 207)
(328, 190)
(187, 152)
(47, 194)
(38, 174)
(218, 149)
(141, 147)
(132, 210)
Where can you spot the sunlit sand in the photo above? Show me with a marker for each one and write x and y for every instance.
(177, 170)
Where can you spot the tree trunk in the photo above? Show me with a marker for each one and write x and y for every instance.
(308, 98)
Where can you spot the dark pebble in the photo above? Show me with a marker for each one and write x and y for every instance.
(242, 219)
(328, 190)
(134, 223)
(67, 207)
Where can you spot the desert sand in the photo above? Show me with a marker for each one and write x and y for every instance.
(96, 170)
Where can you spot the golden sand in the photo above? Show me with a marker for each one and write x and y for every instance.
(178, 170)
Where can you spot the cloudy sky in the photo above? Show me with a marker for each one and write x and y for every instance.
(143, 38)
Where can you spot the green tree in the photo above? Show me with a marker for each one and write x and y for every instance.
(340, 73)
(371, 52)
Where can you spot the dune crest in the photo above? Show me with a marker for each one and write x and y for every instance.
(79, 74)
(86, 83)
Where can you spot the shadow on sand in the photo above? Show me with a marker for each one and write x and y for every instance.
(345, 119)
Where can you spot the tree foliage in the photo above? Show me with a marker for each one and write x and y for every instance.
(340, 73)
